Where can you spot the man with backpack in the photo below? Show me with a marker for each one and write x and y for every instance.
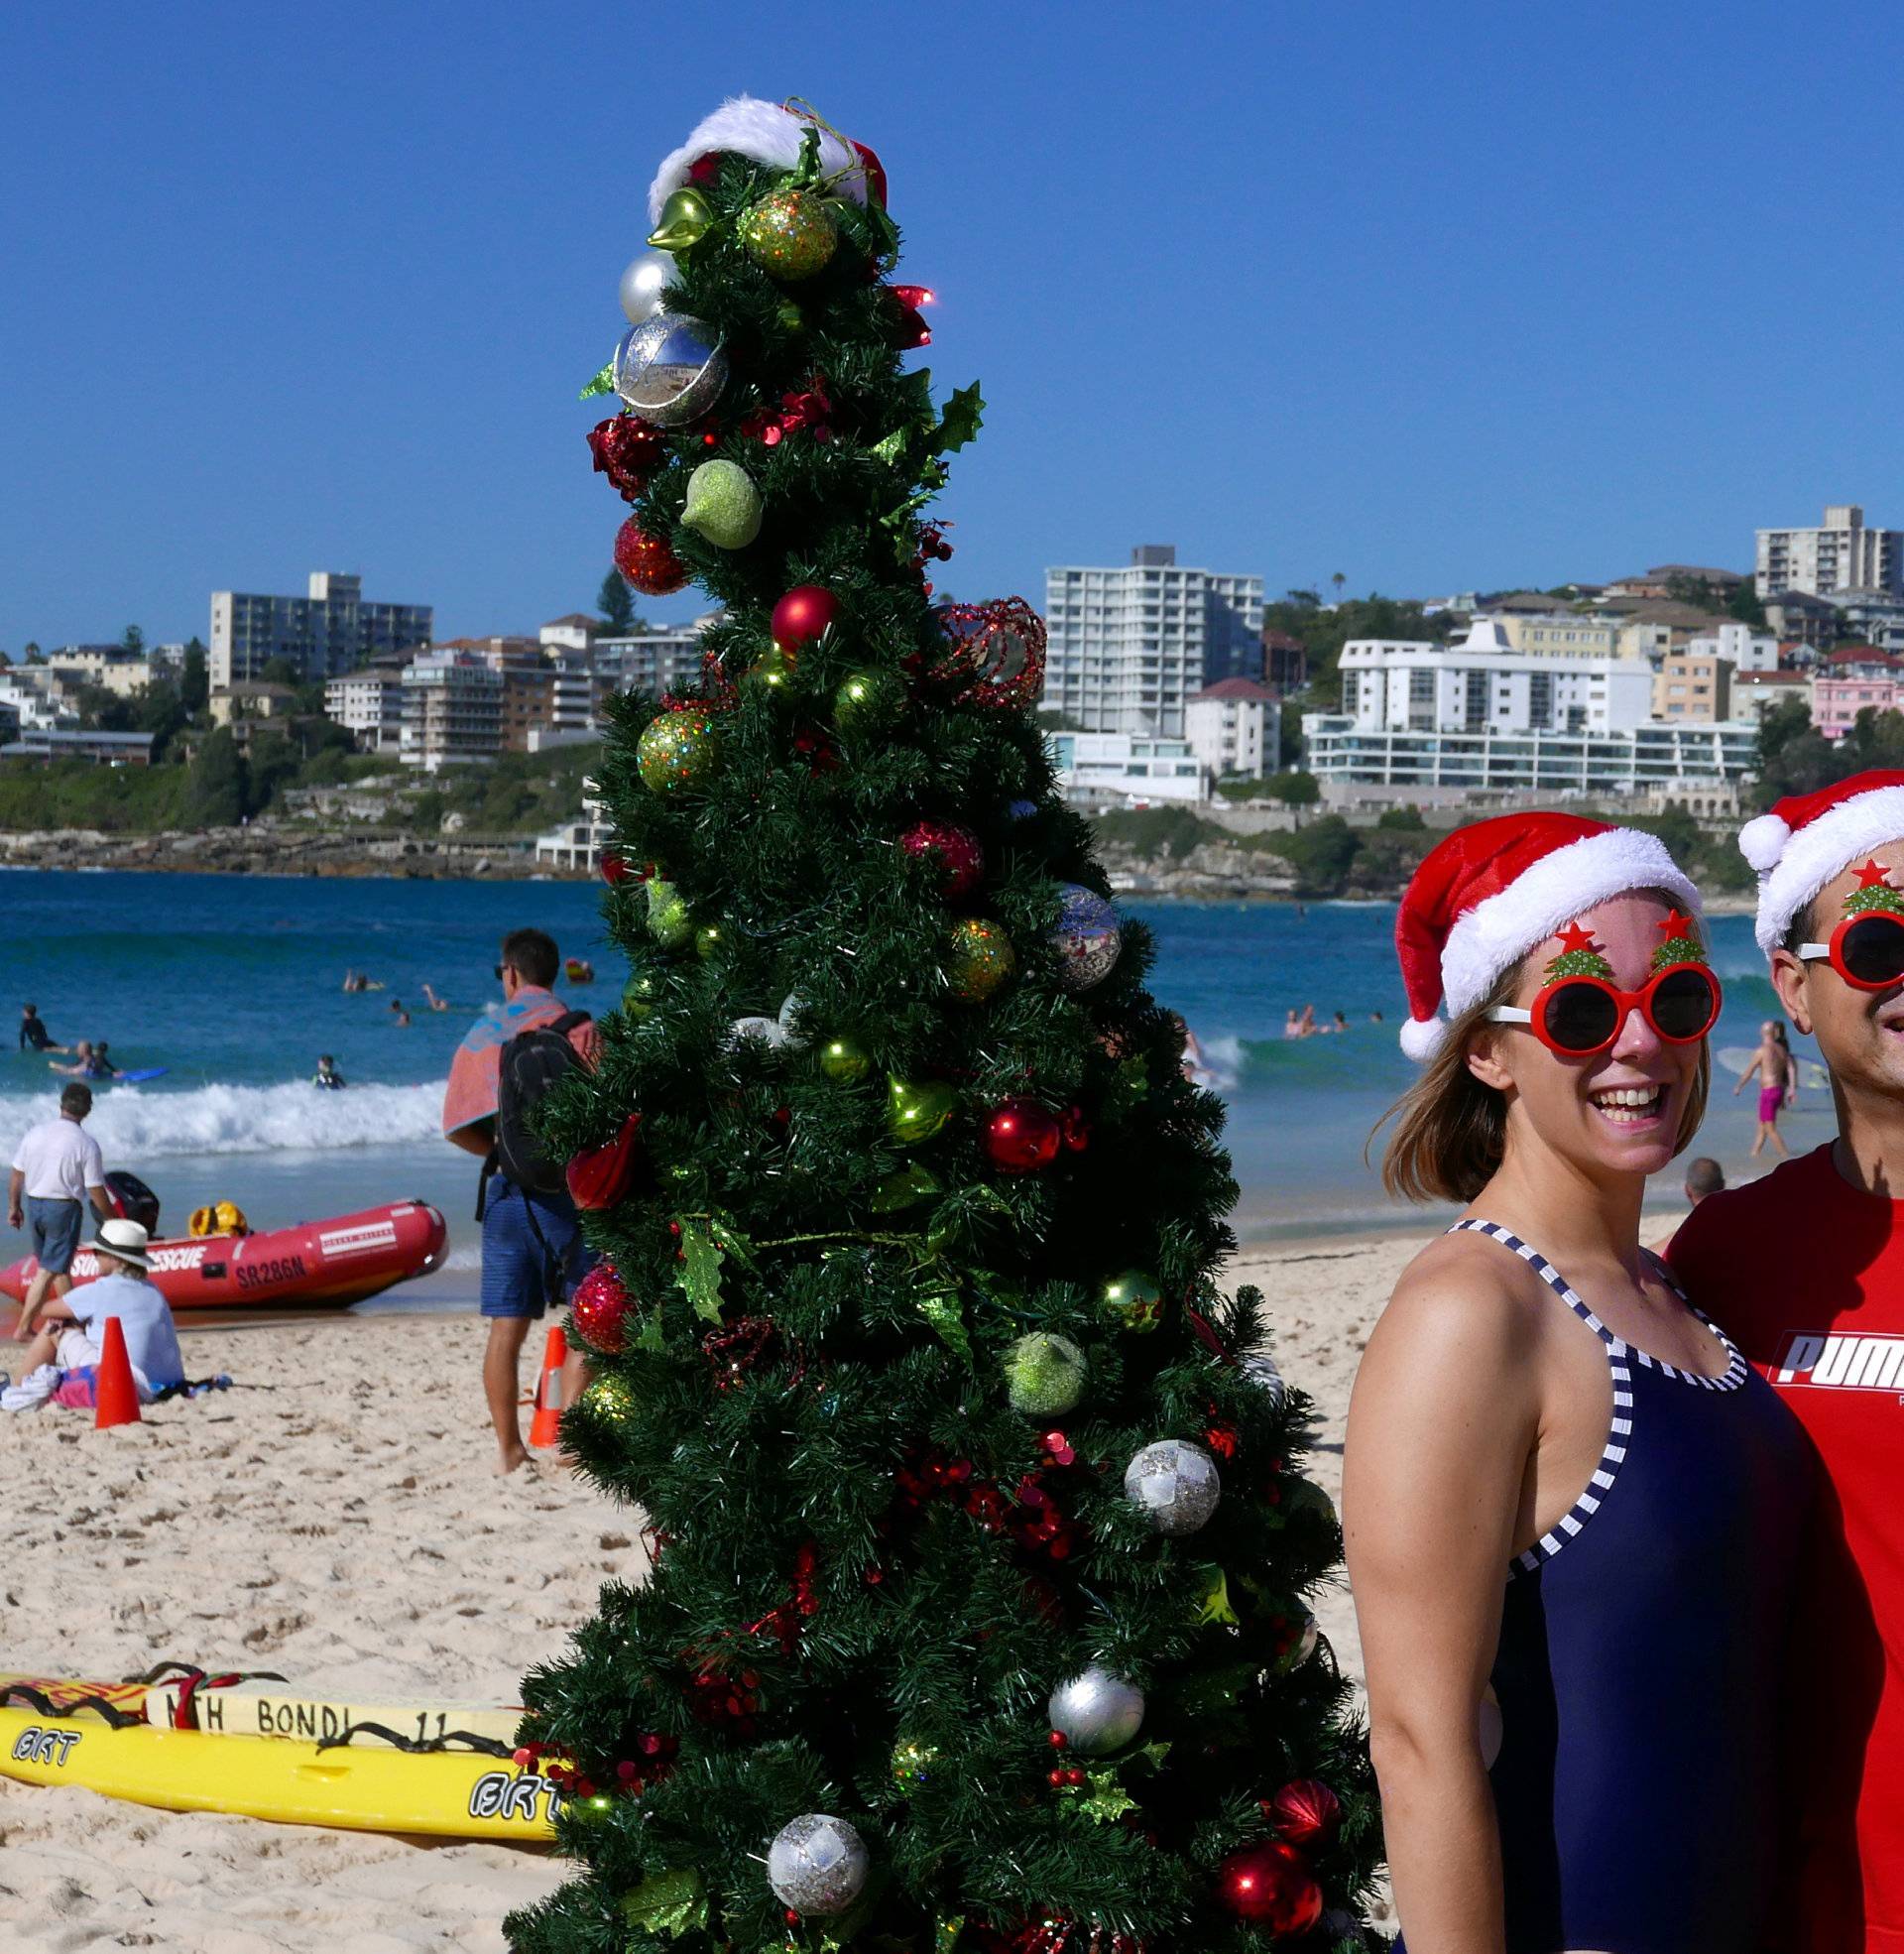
(533, 1249)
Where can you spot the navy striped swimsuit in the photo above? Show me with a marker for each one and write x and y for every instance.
(1642, 1668)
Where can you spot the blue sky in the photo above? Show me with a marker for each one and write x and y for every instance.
(1434, 296)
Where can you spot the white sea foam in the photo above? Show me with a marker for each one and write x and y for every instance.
(132, 1126)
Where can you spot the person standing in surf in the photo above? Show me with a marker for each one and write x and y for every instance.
(1776, 1071)
(1573, 1513)
(1806, 1269)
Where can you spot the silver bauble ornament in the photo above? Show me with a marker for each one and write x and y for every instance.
(1087, 937)
(816, 1863)
(1096, 1712)
(671, 369)
(1308, 1636)
(1176, 1483)
(1260, 1369)
(645, 285)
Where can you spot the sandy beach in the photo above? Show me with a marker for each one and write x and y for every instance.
(334, 1518)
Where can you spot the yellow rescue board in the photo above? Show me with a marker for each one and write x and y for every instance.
(260, 1709)
(455, 1795)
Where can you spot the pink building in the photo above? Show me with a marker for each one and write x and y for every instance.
(1851, 681)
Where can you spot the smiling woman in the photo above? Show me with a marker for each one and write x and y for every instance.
(1563, 1494)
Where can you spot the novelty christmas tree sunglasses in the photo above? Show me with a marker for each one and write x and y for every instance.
(1580, 1008)
(1867, 947)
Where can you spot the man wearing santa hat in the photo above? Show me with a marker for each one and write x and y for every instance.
(1806, 1270)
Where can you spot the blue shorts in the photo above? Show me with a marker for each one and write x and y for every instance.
(55, 1231)
(523, 1275)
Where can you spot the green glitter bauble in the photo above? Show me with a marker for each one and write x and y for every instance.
(1133, 1300)
(669, 921)
(723, 505)
(678, 752)
(978, 958)
(870, 702)
(608, 1400)
(773, 670)
(1044, 1374)
(790, 235)
(912, 1763)
(845, 1060)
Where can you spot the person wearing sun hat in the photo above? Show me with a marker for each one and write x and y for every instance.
(1805, 1267)
(1573, 1513)
(63, 1357)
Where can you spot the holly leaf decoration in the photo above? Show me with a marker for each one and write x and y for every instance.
(940, 1307)
(668, 1904)
(731, 1241)
(1106, 1798)
(603, 383)
(963, 417)
(701, 1258)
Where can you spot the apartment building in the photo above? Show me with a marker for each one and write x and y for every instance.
(1128, 648)
(370, 702)
(1693, 685)
(1123, 769)
(1756, 693)
(1858, 679)
(331, 630)
(452, 710)
(112, 667)
(652, 662)
(1560, 634)
(1841, 554)
(1235, 727)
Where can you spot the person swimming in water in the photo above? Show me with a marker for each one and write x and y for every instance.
(34, 1033)
(327, 1078)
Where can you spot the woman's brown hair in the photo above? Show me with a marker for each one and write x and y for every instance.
(1451, 1129)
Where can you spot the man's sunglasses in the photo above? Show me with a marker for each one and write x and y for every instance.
(1578, 1016)
(1868, 950)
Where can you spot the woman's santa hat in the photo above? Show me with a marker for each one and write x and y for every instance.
(1491, 893)
(1808, 840)
(744, 125)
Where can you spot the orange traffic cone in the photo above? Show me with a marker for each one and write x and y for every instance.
(544, 1426)
(114, 1395)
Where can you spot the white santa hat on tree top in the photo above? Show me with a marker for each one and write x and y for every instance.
(1808, 840)
(744, 125)
(1489, 894)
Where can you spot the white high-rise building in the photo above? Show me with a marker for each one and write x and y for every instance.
(1840, 555)
(330, 631)
(1129, 648)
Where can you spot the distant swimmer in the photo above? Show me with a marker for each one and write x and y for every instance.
(1293, 1024)
(401, 1016)
(82, 1062)
(327, 1078)
(33, 1034)
(433, 1001)
(355, 980)
(1194, 1067)
(1340, 1023)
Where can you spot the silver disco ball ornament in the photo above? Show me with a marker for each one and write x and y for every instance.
(1087, 937)
(1176, 1483)
(816, 1863)
(1096, 1712)
(1260, 1370)
(671, 369)
(645, 285)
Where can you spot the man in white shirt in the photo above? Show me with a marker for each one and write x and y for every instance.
(66, 1353)
(57, 1169)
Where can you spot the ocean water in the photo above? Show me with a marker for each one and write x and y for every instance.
(235, 985)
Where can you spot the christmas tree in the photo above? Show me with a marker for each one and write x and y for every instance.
(975, 1617)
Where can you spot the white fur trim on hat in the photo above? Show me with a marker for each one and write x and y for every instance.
(1820, 850)
(1421, 1038)
(1763, 842)
(1497, 933)
(768, 133)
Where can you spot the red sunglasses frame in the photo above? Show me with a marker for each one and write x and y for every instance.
(1835, 950)
(1624, 1003)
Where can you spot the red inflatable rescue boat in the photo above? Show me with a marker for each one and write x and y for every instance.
(331, 1262)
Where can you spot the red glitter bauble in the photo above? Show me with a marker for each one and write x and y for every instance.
(628, 450)
(649, 562)
(601, 1308)
(1021, 1135)
(992, 656)
(1271, 1882)
(802, 615)
(1304, 1811)
(955, 851)
(614, 869)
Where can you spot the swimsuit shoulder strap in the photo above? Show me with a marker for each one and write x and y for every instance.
(1547, 1273)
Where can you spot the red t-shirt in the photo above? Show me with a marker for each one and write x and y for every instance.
(1806, 1274)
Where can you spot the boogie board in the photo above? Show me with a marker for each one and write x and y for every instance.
(139, 1077)
(445, 1793)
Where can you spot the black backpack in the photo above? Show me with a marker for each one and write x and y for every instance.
(531, 1062)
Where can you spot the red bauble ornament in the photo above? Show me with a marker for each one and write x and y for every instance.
(802, 615)
(1270, 1884)
(614, 869)
(599, 1176)
(955, 851)
(994, 654)
(649, 562)
(1021, 1135)
(1305, 1811)
(601, 1306)
(628, 450)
